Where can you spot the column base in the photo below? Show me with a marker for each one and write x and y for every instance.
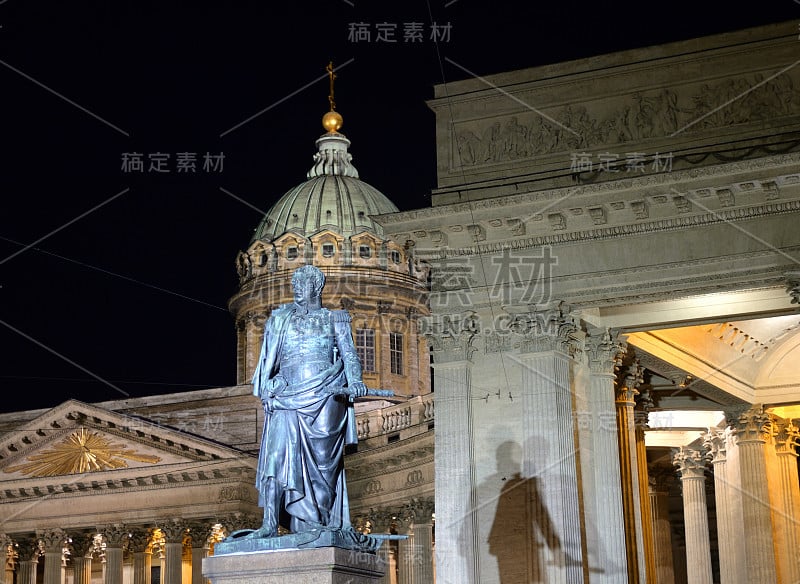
(327, 565)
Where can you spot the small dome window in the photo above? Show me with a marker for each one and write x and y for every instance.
(364, 251)
(394, 255)
(328, 250)
(292, 253)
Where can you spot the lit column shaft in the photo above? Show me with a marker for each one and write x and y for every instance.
(691, 464)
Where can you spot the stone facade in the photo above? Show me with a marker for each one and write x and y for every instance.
(612, 244)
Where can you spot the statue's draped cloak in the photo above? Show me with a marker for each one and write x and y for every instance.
(306, 427)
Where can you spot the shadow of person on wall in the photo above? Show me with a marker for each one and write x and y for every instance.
(521, 526)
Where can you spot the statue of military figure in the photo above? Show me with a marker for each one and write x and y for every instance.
(307, 376)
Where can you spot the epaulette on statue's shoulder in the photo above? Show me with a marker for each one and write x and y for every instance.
(341, 316)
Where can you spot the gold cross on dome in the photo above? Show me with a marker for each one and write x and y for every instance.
(332, 76)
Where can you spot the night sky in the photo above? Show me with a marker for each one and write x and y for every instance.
(115, 282)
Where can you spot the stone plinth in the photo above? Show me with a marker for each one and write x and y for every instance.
(329, 565)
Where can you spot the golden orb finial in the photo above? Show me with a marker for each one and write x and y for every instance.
(332, 121)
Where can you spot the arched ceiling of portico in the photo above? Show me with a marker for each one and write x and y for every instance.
(751, 359)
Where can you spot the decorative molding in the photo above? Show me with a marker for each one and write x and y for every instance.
(621, 230)
(602, 189)
(157, 481)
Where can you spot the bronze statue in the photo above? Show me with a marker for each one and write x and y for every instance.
(306, 377)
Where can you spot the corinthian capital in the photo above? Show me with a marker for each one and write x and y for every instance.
(753, 424)
(691, 463)
(715, 440)
(174, 530)
(450, 336)
(82, 544)
(628, 381)
(786, 437)
(547, 328)
(793, 286)
(604, 350)
(27, 548)
(52, 539)
(116, 534)
(141, 539)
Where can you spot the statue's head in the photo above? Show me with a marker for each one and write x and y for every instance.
(307, 283)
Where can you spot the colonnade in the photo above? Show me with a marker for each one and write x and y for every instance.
(757, 498)
(127, 553)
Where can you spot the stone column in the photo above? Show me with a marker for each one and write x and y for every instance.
(53, 541)
(754, 428)
(662, 529)
(420, 511)
(789, 517)
(28, 551)
(729, 533)
(174, 532)
(6, 559)
(691, 464)
(380, 521)
(551, 452)
(457, 555)
(641, 417)
(603, 351)
(405, 554)
(629, 472)
(141, 547)
(199, 532)
(116, 537)
(82, 545)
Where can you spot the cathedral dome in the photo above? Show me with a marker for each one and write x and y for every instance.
(332, 198)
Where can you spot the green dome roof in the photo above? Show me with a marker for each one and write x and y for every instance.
(333, 198)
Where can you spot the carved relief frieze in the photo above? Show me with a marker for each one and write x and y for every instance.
(638, 117)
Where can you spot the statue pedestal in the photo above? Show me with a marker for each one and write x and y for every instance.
(325, 565)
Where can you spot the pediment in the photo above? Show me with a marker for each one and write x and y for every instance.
(75, 438)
